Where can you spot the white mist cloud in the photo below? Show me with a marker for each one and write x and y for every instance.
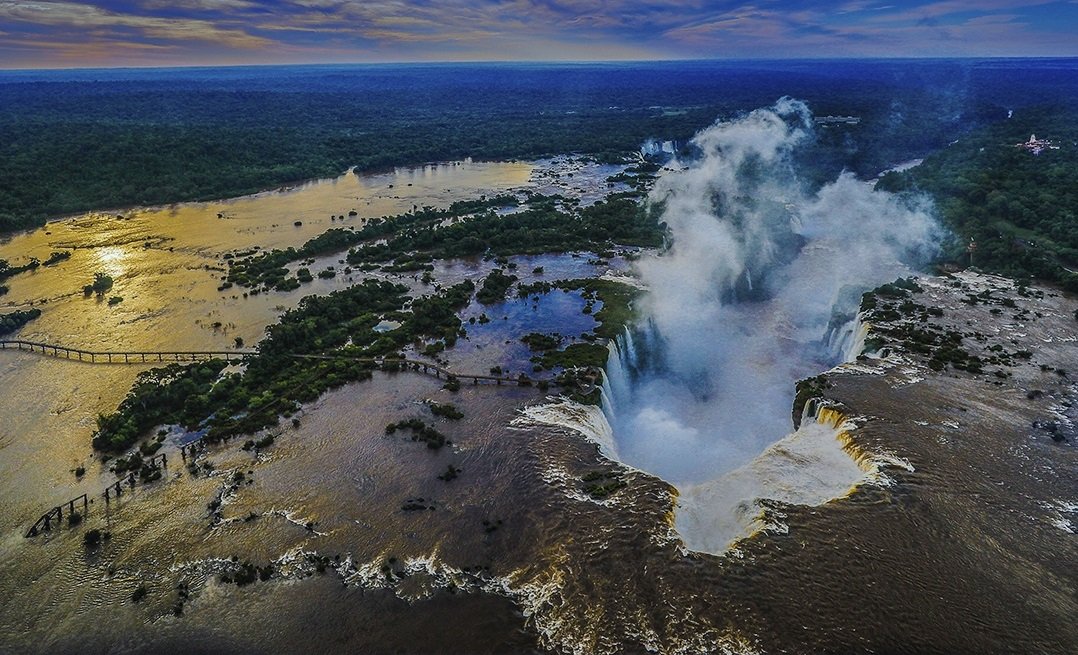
(737, 309)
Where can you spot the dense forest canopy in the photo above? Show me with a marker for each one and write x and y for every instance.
(78, 140)
(1019, 207)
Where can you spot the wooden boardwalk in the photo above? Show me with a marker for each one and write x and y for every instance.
(123, 357)
(391, 364)
(157, 356)
(114, 490)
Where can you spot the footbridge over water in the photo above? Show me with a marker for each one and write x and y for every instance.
(160, 356)
(123, 357)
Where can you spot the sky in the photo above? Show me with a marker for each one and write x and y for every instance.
(48, 34)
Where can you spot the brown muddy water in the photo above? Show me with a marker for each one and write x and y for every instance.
(963, 543)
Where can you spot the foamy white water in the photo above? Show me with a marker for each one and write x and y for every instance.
(806, 467)
(588, 420)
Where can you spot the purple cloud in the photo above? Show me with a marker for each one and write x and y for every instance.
(38, 33)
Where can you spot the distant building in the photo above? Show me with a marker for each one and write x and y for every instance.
(1035, 145)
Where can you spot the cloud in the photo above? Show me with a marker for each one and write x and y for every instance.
(342, 30)
(949, 28)
(105, 25)
(200, 5)
(957, 7)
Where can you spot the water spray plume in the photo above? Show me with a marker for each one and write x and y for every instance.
(759, 288)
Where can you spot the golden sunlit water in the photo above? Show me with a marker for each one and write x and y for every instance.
(338, 471)
(167, 265)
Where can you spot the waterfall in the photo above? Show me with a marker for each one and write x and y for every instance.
(846, 342)
(845, 338)
(622, 365)
(810, 466)
(595, 423)
(758, 288)
(587, 420)
(857, 344)
(606, 396)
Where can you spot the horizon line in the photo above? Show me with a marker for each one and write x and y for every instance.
(564, 62)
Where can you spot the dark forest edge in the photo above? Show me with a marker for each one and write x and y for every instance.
(73, 145)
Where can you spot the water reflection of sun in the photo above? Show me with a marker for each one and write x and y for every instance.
(111, 259)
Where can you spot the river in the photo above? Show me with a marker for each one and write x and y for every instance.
(517, 554)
